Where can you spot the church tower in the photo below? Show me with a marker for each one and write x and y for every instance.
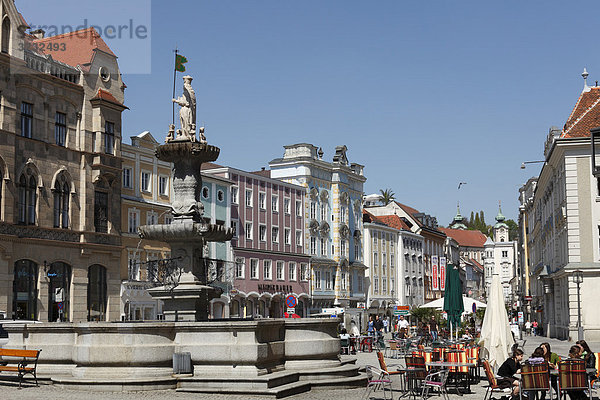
(500, 228)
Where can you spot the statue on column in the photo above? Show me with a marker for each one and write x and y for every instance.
(187, 115)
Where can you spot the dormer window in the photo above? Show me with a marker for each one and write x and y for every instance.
(104, 75)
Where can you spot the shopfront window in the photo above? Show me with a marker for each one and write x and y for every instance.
(25, 290)
(59, 283)
(97, 298)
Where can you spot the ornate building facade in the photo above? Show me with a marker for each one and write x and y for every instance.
(60, 171)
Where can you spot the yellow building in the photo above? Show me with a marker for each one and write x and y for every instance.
(145, 199)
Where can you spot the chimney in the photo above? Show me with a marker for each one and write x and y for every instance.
(262, 168)
(38, 33)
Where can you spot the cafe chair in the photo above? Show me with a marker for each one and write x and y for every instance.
(493, 383)
(392, 348)
(345, 346)
(435, 380)
(572, 376)
(378, 380)
(535, 378)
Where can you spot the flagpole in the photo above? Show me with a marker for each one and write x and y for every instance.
(174, 78)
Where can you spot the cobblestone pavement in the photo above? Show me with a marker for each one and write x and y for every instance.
(10, 391)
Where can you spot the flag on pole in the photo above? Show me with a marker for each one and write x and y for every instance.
(179, 61)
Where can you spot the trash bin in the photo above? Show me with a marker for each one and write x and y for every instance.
(182, 363)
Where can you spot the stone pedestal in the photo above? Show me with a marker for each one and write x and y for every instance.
(187, 302)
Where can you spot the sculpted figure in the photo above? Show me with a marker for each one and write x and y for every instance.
(187, 113)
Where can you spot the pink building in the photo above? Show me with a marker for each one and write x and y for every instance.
(268, 219)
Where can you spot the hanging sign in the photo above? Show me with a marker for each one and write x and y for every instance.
(434, 270)
(442, 273)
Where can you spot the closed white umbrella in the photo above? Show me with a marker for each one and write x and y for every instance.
(496, 338)
(467, 302)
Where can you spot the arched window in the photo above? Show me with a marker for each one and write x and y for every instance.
(25, 290)
(27, 197)
(59, 284)
(61, 202)
(1, 186)
(5, 35)
(96, 293)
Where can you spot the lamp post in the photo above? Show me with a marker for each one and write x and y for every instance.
(531, 162)
(578, 279)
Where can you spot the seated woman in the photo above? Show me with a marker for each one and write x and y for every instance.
(536, 358)
(552, 359)
(575, 354)
(589, 357)
(507, 371)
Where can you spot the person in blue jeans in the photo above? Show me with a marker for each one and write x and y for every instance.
(370, 327)
(433, 328)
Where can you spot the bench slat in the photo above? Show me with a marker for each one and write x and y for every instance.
(16, 369)
(19, 353)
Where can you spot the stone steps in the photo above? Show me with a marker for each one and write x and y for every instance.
(319, 374)
(288, 389)
(348, 382)
(268, 381)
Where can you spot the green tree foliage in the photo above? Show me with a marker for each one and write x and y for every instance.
(420, 314)
(477, 222)
(513, 229)
(386, 196)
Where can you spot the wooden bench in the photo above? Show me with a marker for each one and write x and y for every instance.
(26, 361)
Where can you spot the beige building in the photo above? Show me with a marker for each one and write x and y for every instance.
(145, 199)
(60, 168)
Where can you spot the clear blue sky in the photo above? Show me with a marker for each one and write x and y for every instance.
(424, 94)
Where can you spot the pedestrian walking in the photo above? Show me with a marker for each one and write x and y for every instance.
(433, 328)
(528, 328)
(534, 327)
(386, 324)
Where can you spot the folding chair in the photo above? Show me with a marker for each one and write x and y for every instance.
(535, 378)
(393, 348)
(415, 372)
(377, 380)
(572, 376)
(344, 346)
(459, 374)
(435, 380)
(493, 383)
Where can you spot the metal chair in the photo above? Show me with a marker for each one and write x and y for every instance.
(535, 378)
(345, 346)
(572, 376)
(392, 348)
(435, 380)
(378, 380)
(492, 383)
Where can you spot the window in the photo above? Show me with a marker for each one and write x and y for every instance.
(220, 196)
(96, 293)
(375, 284)
(392, 261)
(262, 233)
(234, 228)
(323, 212)
(253, 268)
(151, 218)
(287, 236)
(359, 281)
(27, 198)
(298, 208)
(275, 234)
(313, 210)
(6, 35)
(133, 217)
(205, 192)
(375, 259)
(25, 290)
(248, 198)
(343, 215)
(280, 271)
(262, 200)
(101, 211)
(145, 181)
(333, 276)
(504, 253)
(298, 238)
(384, 285)
(343, 281)
(61, 202)
(327, 280)
(313, 245)
(267, 269)
(317, 279)
(249, 230)
(286, 206)
(356, 251)
(323, 247)
(26, 119)
(304, 272)
(234, 194)
(127, 178)
(240, 267)
(343, 248)
(163, 185)
(168, 219)
(275, 203)
(60, 128)
(109, 137)
(292, 271)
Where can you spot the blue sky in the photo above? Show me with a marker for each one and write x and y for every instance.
(424, 94)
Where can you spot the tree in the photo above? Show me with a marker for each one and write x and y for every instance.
(513, 229)
(386, 196)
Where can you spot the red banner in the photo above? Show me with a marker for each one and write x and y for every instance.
(443, 273)
(434, 270)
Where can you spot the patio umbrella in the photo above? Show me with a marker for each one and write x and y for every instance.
(496, 337)
(453, 301)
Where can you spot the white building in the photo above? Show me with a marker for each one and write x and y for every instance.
(562, 223)
(500, 256)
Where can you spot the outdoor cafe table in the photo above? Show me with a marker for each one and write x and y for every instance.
(448, 364)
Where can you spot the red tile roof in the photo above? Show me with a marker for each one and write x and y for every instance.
(392, 221)
(210, 165)
(476, 264)
(74, 48)
(106, 95)
(466, 238)
(585, 115)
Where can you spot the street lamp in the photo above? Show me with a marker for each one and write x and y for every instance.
(531, 162)
(578, 279)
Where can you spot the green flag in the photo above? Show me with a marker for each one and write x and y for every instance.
(179, 61)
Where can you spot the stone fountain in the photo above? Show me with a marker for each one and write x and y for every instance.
(188, 299)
